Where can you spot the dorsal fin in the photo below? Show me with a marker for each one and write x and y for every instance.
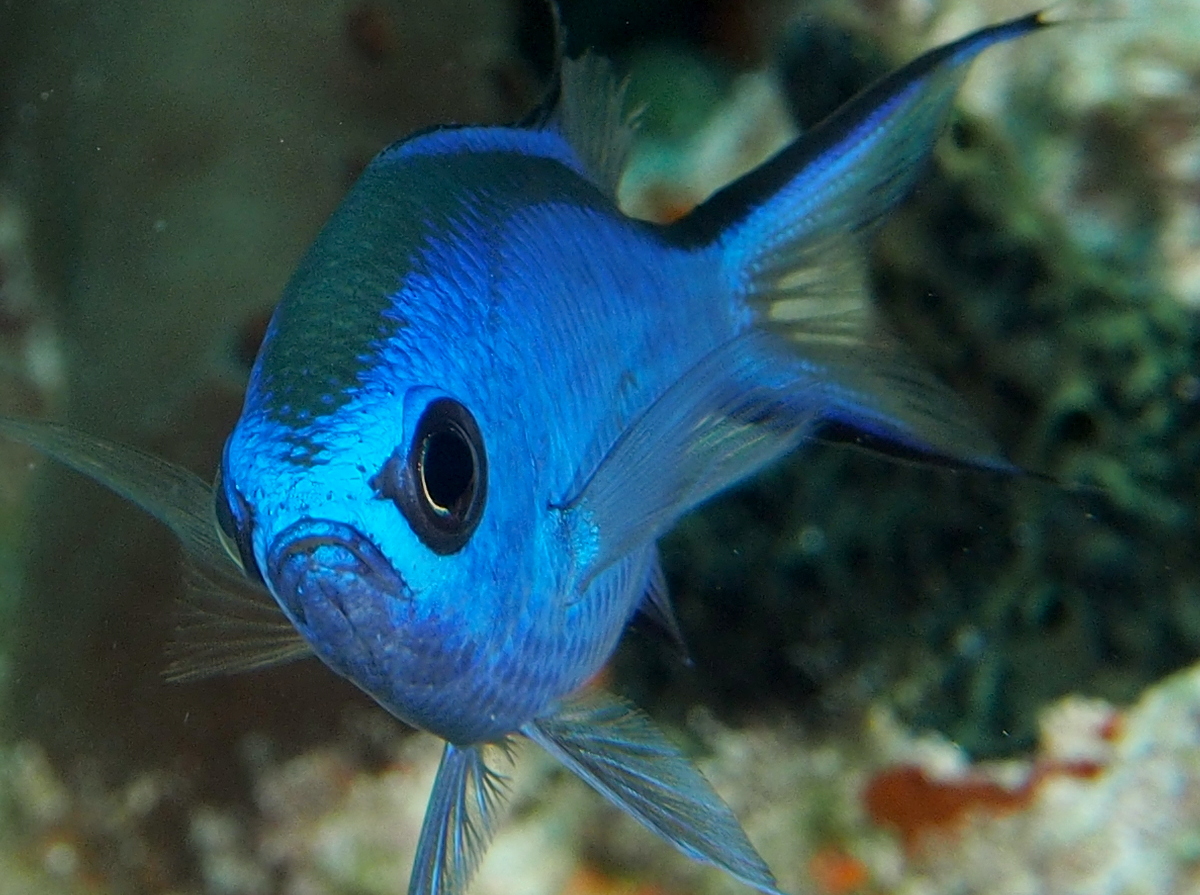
(585, 102)
(591, 118)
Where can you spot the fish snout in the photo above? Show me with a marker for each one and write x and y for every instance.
(328, 575)
(363, 621)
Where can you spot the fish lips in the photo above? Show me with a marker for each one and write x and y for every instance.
(337, 587)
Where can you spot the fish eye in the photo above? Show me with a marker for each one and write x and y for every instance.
(236, 536)
(440, 484)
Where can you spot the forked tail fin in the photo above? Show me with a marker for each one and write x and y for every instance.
(792, 234)
(789, 243)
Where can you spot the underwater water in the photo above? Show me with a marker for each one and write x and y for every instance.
(861, 629)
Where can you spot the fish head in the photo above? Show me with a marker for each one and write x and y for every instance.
(388, 543)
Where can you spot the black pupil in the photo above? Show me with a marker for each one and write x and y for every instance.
(447, 471)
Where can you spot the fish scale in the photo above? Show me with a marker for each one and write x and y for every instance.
(631, 356)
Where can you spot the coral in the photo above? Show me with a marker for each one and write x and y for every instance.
(81, 835)
(1108, 803)
(1127, 826)
(836, 872)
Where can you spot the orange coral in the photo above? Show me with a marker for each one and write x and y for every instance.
(914, 804)
(589, 881)
(835, 871)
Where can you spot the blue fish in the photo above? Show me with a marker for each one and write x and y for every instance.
(486, 393)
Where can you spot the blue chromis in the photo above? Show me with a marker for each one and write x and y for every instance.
(486, 393)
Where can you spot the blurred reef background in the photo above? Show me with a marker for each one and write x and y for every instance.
(905, 679)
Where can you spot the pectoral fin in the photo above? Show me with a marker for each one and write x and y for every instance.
(718, 422)
(228, 623)
(171, 494)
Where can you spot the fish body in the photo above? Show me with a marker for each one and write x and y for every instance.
(485, 256)
(486, 392)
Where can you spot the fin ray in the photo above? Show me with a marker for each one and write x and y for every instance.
(227, 624)
(702, 434)
(749, 402)
(790, 234)
(618, 751)
(656, 606)
(459, 821)
(171, 494)
(591, 117)
(838, 179)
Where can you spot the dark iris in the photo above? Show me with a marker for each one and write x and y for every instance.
(238, 533)
(440, 483)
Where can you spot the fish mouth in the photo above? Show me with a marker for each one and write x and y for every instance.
(319, 566)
